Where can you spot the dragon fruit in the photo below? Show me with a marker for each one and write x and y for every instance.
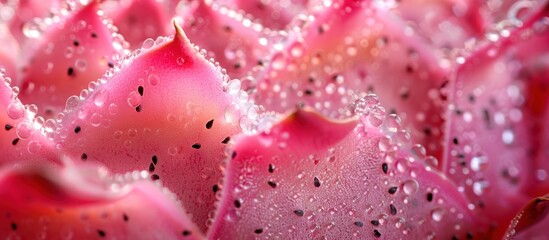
(226, 119)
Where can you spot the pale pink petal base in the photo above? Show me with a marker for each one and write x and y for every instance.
(83, 202)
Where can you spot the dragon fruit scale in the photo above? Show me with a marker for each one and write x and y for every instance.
(274, 119)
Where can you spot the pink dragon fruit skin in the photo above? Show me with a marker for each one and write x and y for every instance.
(531, 221)
(274, 14)
(166, 115)
(493, 131)
(20, 138)
(62, 61)
(445, 24)
(8, 53)
(47, 201)
(24, 11)
(138, 20)
(337, 57)
(241, 50)
(340, 183)
(165, 109)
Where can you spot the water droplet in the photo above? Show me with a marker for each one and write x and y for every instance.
(100, 97)
(148, 43)
(508, 136)
(15, 110)
(153, 80)
(296, 50)
(437, 214)
(233, 87)
(72, 103)
(231, 114)
(418, 151)
(479, 187)
(385, 143)
(24, 130)
(410, 187)
(391, 124)
(117, 135)
(32, 29)
(278, 62)
(134, 99)
(95, 119)
(180, 61)
(81, 64)
(113, 109)
(33, 147)
(478, 163)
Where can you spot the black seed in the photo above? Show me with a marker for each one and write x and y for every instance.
(151, 167)
(209, 124)
(377, 234)
(385, 39)
(13, 226)
(320, 30)
(75, 43)
(77, 129)
(393, 190)
(111, 65)
(405, 95)
(471, 98)
(93, 35)
(154, 159)
(272, 184)
(140, 90)
(308, 92)
(186, 233)
(444, 84)
(316, 182)
(385, 167)
(429, 197)
(236, 65)
(455, 237)
(409, 68)
(125, 217)
(101, 233)
(258, 231)
(237, 203)
(233, 155)
(427, 131)
(138, 108)
(8, 127)
(227, 28)
(299, 213)
(359, 224)
(311, 79)
(215, 188)
(375, 222)
(15, 141)
(393, 209)
(226, 140)
(155, 177)
(196, 146)
(486, 115)
(271, 168)
(70, 71)
(259, 62)
(455, 140)
(84, 156)
(469, 236)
